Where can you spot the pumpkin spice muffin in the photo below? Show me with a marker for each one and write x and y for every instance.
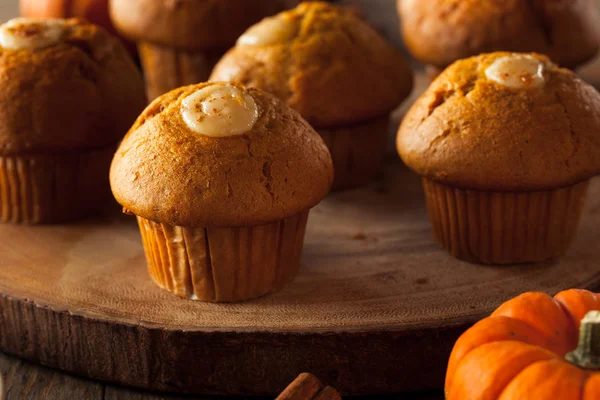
(68, 93)
(506, 144)
(439, 32)
(332, 67)
(221, 179)
(180, 40)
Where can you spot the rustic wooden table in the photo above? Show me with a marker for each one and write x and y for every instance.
(25, 380)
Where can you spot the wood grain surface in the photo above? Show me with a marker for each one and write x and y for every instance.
(375, 308)
(24, 380)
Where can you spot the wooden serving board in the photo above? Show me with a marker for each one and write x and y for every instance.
(375, 309)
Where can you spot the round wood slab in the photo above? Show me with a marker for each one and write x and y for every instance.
(376, 306)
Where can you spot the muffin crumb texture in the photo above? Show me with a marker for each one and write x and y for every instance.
(256, 173)
(67, 86)
(439, 32)
(69, 93)
(323, 61)
(506, 133)
(189, 25)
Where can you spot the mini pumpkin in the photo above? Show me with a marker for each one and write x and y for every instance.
(529, 349)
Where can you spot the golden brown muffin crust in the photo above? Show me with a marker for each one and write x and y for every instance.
(438, 32)
(189, 24)
(337, 70)
(470, 132)
(165, 172)
(81, 93)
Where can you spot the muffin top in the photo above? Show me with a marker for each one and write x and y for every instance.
(190, 24)
(504, 122)
(216, 154)
(64, 85)
(323, 61)
(438, 32)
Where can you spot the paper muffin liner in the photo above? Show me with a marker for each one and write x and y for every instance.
(223, 264)
(37, 189)
(166, 68)
(357, 152)
(504, 227)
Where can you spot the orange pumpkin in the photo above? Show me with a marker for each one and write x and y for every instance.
(525, 350)
(95, 11)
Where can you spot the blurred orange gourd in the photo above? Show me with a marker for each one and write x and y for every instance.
(95, 11)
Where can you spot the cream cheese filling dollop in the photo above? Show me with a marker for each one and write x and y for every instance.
(219, 110)
(271, 30)
(517, 71)
(31, 33)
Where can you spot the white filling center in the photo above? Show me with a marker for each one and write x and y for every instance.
(271, 30)
(219, 110)
(31, 33)
(517, 72)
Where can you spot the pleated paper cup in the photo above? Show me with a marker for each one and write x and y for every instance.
(167, 68)
(41, 189)
(357, 152)
(223, 264)
(504, 227)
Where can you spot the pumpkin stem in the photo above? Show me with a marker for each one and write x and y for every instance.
(587, 353)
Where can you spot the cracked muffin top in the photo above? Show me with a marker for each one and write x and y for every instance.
(190, 24)
(504, 122)
(323, 61)
(217, 154)
(64, 85)
(438, 32)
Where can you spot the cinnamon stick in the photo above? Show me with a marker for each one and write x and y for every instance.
(308, 387)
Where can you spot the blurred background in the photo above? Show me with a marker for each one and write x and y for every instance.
(381, 11)
(8, 8)
(382, 14)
